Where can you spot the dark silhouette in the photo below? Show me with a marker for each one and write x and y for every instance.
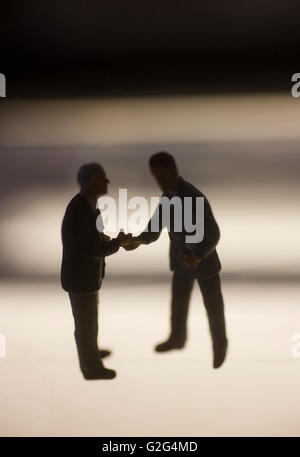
(83, 267)
(188, 261)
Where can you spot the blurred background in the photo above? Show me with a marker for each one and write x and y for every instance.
(114, 83)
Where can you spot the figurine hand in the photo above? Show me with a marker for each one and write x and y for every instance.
(135, 243)
(125, 239)
(191, 260)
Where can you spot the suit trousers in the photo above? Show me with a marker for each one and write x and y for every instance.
(182, 285)
(85, 313)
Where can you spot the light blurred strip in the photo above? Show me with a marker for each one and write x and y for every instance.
(149, 120)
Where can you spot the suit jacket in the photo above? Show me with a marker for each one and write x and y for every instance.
(84, 248)
(210, 265)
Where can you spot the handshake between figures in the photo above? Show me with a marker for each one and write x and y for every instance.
(128, 242)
